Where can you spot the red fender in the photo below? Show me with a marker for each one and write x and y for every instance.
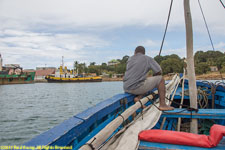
(183, 138)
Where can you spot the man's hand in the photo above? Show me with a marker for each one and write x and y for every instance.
(158, 73)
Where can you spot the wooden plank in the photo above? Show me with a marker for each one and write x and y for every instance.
(170, 125)
(112, 126)
(201, 114)
(165, 125)
(190, 64)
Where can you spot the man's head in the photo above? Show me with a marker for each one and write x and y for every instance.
(139, 49)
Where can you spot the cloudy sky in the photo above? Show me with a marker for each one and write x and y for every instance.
(35, 33)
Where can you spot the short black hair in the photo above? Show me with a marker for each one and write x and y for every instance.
(140, 49)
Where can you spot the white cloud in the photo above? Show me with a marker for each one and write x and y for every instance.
(214, 15)
(149, 43)
(220, 46)
(37, 32)
(83, 12)
(18, 45)
(181, 52)
(105, 13)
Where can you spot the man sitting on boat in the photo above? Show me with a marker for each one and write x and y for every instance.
(136, 81)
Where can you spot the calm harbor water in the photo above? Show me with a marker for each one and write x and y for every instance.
(26, 110)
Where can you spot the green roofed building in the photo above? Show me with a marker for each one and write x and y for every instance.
(113, 62)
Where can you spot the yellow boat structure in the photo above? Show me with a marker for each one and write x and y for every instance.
(65, 75)
(73, 79)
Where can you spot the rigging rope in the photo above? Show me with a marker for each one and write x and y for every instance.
(221, 76)
(222, 3)
(208, 28)
(206, 24)
(166, 27)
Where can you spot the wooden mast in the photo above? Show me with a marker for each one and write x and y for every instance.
(190, 64)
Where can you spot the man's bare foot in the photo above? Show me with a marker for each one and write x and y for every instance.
(165, 107)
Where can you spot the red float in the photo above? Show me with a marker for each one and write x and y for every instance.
(183, 138)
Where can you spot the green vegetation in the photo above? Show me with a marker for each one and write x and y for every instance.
(117, 67)
(203, 61)
(169, 64)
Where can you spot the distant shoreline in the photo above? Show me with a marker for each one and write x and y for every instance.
(111, 79)
(208, 76)
(103, 80)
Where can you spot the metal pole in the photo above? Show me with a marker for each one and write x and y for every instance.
(190, 64)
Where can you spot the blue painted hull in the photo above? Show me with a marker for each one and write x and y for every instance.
(79, 129)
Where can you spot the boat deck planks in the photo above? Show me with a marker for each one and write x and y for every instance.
(202, 114)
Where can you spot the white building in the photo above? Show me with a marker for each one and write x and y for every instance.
(12, 65)
(113, 62)
(213, 68)
(41, 74)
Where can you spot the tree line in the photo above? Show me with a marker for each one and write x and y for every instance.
(169, 64)
(203, 61)
(104, 68)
